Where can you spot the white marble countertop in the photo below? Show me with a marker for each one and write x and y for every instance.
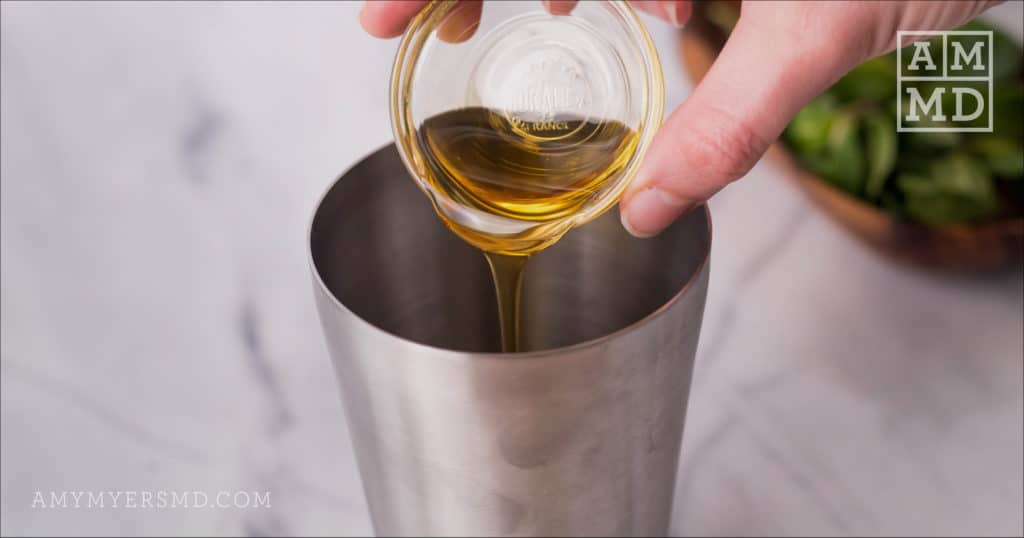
(159, 164)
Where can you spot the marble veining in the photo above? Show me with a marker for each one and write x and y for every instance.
(196, 142)
(121, 425)
(158, 166)
(262, 369)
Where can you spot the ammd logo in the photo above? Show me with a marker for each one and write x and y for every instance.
(944, 82)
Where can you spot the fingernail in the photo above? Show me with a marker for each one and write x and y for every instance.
(675, 15)
(651, 210)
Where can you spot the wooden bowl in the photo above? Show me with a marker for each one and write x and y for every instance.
(992, 245)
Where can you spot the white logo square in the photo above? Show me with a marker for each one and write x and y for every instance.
(944, 87)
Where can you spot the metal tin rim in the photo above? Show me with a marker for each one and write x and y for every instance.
(485, 355)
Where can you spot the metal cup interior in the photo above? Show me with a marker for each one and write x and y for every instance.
(380, 250)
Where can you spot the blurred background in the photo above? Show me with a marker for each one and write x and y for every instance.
(158, 167)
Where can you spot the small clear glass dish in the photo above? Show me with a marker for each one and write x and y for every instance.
(531, 69)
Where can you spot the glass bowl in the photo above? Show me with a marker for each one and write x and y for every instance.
(570, 81)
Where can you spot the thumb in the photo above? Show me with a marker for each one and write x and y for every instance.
(760, 80)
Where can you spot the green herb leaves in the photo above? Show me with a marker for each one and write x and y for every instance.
(848, 137)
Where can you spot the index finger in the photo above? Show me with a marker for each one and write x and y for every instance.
(388, 18)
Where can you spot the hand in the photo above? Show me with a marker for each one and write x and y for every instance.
(388, 18)
(779, 57)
